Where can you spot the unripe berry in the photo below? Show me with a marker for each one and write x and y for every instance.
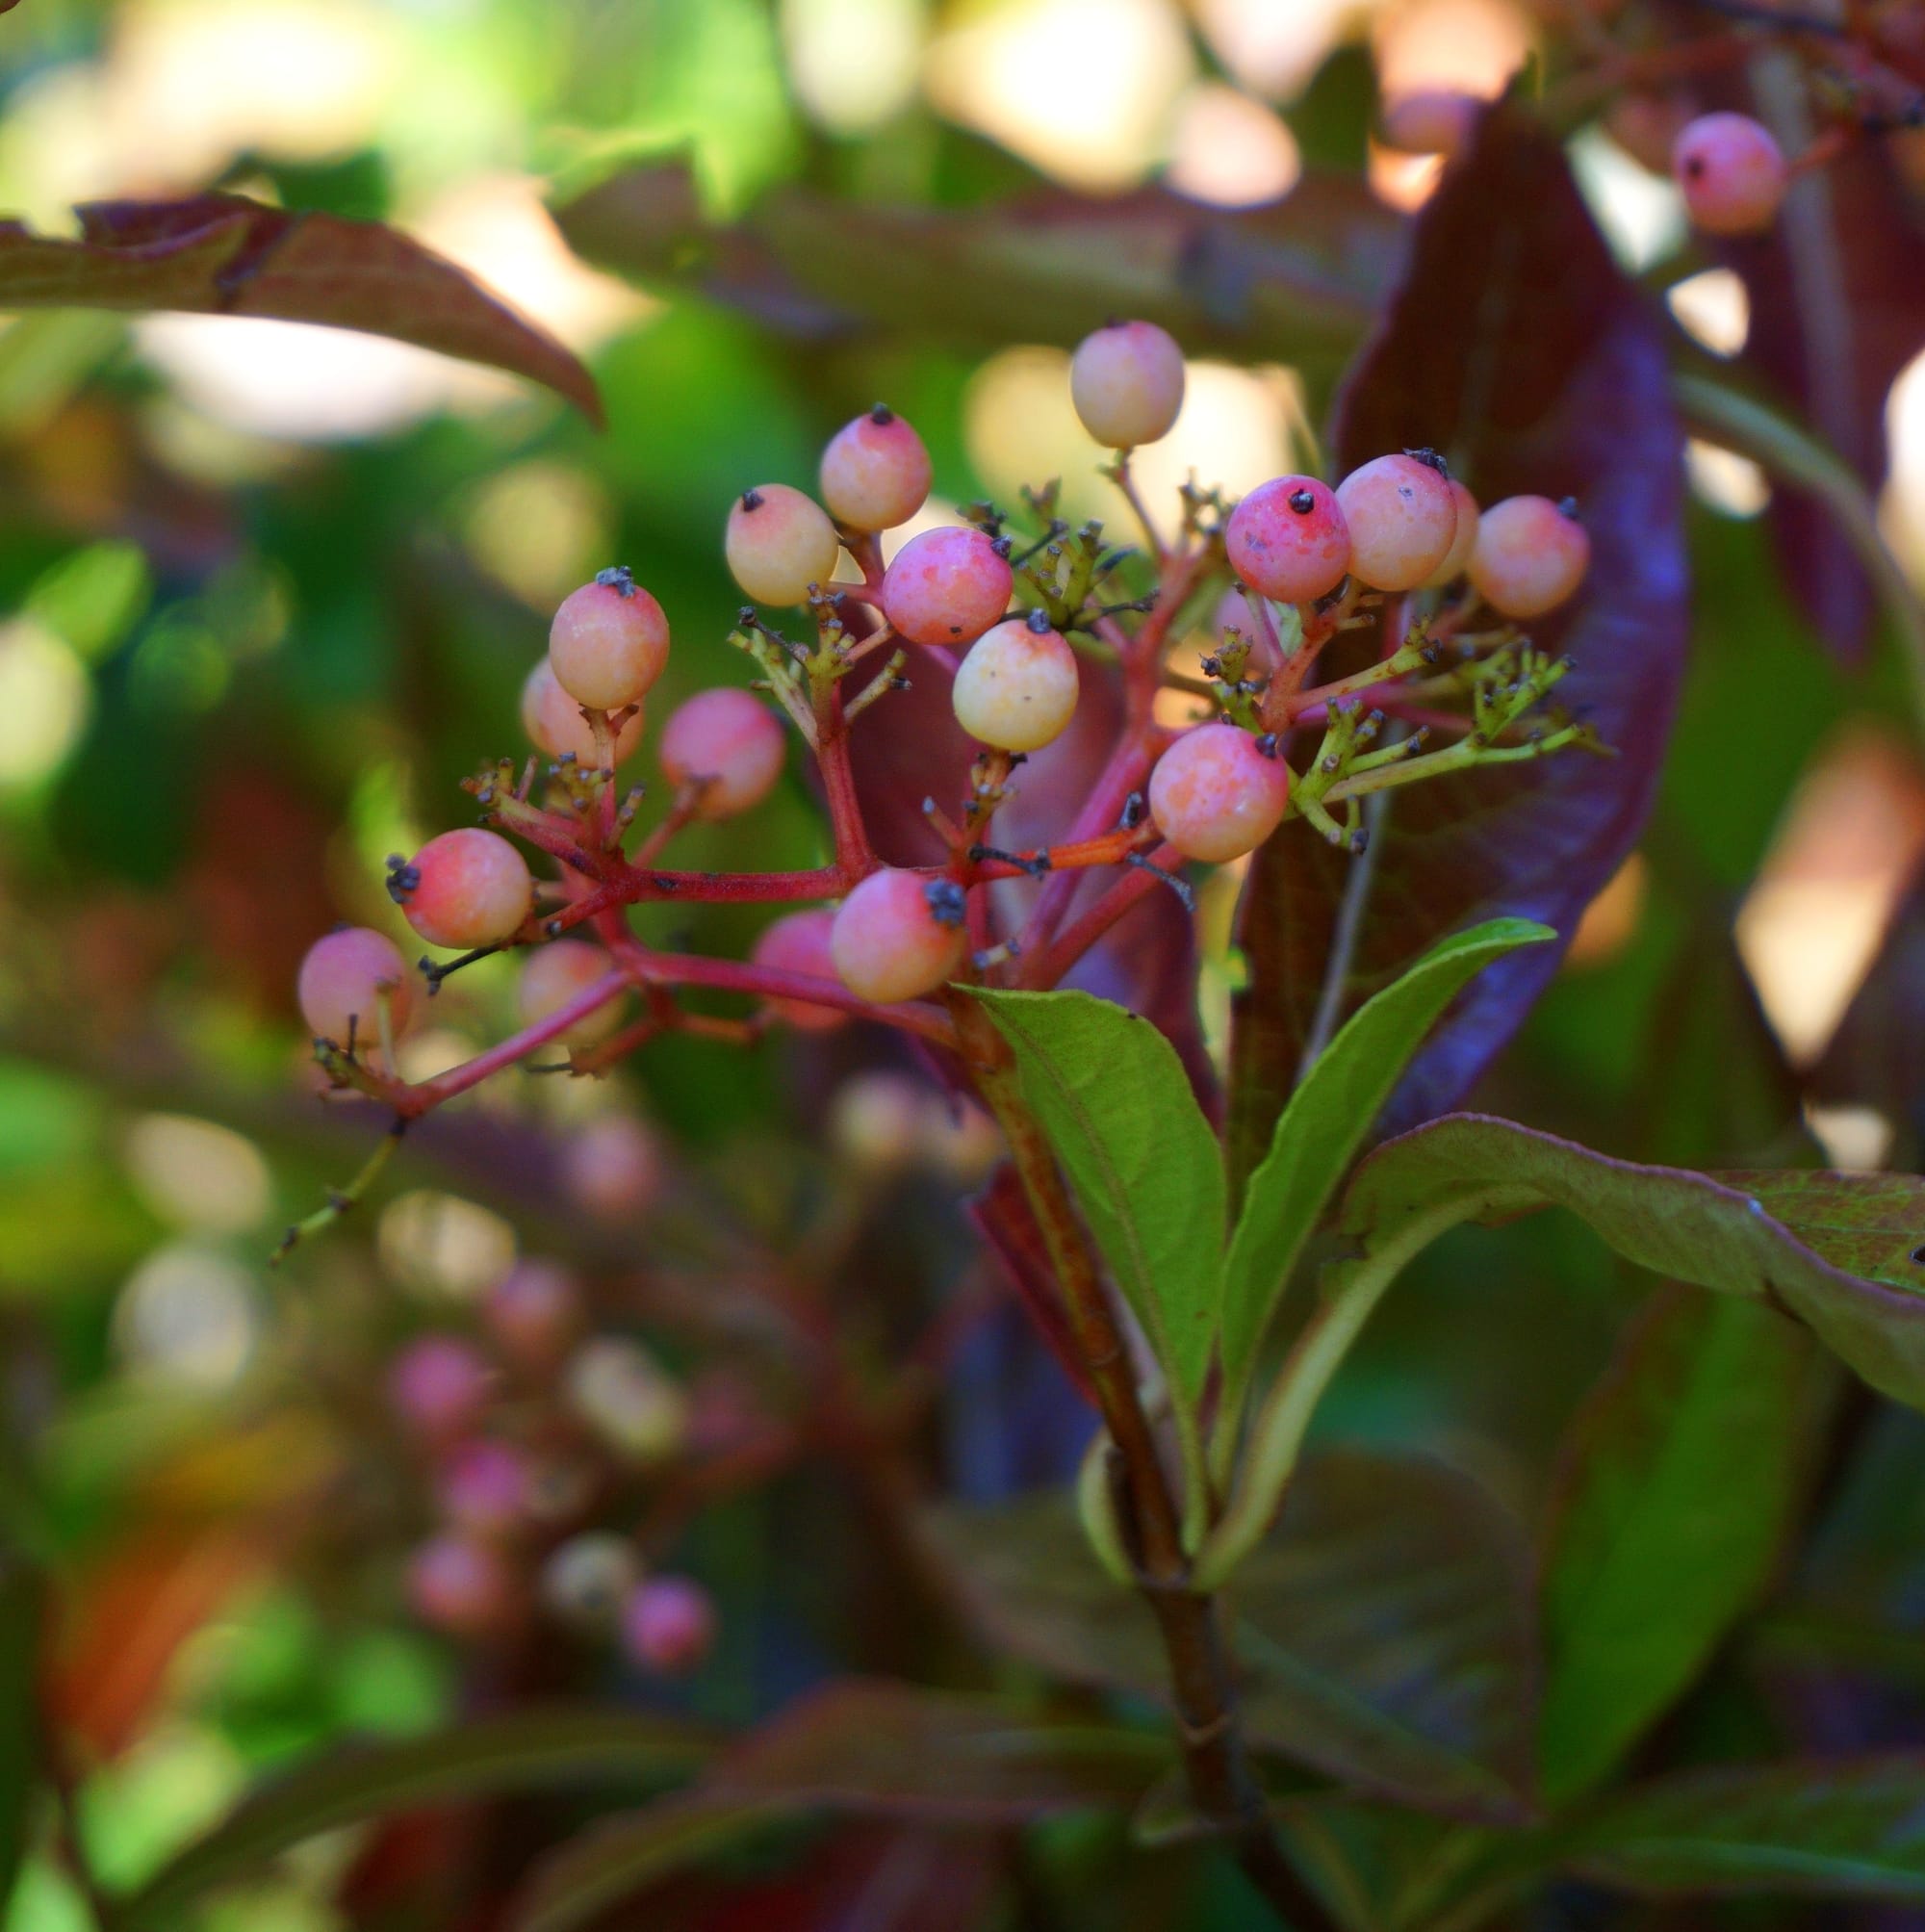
(552, 975)
(1402, 519)
(1530, 555)
(622, 1394)
(732, 740)
(798, 943)
(778, 542)
(875, 1121)
(1731, 172)
(1213, 795)
(609, 642)
(1126, 382)
(1017, 689)
(460, 1586)
(440, 1385)
(669, 1625)
(946, 587)
(554, 724)
(588, 1579)
(534, 1312)
(875, 472)
(1287, 540)
(468, 887)
(898, 935)
(341, 981)
(1469, 517)
(1430, 120)
(485, 1488)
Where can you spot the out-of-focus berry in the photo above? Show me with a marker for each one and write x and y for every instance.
(612, 1169)
(876, 1122)
(1530, 555)
(946, 587)
(1215, 796)
(1430, 120)
(484, 1488)
(668, 1625)
(534, 1312)
(1126, 382)
(778, 542)
(1458, 559)
(732, 740)
(1017, 689)
(341, 981)
(439, 1385)
(554, 975)
(609, 642)
(1289, 541)
(468, 887)
(1731, 172)
(1402, 519)
(554, 724)
(798, 943)
(588, 1579)
(460, 1584)
(957, 1140)
(898, 935)
(875, 472)
(625, 1396)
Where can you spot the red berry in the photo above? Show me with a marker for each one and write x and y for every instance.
(875, 472)
(534, 1312)
(798, 943)
(552, 975)
(609, 642)
(778, 542)
(613, 1169)
(1213, 795)
(554, 724)
(460, 1586)
(341, 981)
(1731, 172)
(1017, 689)
(1126, 382)
(898, 935)
(440, 1385)
(1530, 555)
(946, 587)
(468, 887)
(485, 1488)
(1287, 540)
(1462, 544)
(1402, 519)
(729, 739)
(669, 1625)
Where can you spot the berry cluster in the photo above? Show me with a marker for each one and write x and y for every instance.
(1014, 622)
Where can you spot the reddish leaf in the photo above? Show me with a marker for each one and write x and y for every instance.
(1516, 347)
(222, 254)
(1003, 1218)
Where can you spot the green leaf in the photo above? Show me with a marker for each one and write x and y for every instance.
(1327, 1120)
(1851, 1828)
(1681, 1478)
(1834, 1250)
(1115, 1103)
(1380, 1635)
(507, 1753)
(20, 1608)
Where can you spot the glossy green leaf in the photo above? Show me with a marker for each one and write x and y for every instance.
(1834, 1250)
(1115, 1103)
(1679, 1480)
(512, 1752)
(1329, 1116)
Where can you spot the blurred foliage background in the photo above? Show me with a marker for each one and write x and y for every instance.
(266, 592)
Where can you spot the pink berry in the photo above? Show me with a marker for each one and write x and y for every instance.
(612, 1168)
(778, 542)
(468, 887)
(1530, 555)
(554, 724)
(798, 943)
(440, 1385)
(534, 1312)
(669, 1625)
(1126, 382)
(1454, 565)
(1403, 520)
(898, 935)
(875, 472)
(946, 587)
(1017, 689)
(1430, 120)
(609, 642)
(552, 975)
(1215, 796)
(460, 1586)
(485, 1488)
(342, 981)
(1731, 172)
(731, 742)
(1287, 540)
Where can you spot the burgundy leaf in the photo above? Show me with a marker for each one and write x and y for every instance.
(1516, 347)
(222, 254)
